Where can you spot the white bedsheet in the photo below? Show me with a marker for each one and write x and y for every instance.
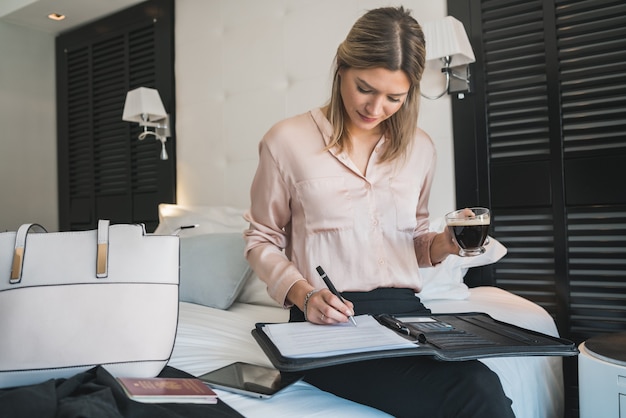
(209, 338)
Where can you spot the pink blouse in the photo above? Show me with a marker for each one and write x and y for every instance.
(312, 208)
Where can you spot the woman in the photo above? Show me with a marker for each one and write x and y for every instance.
(346, 187)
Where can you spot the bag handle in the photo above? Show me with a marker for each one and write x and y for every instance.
(20, 248)
(20, 245)
(102, 252)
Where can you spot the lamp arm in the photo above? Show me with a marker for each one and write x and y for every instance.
(146, 132)
(445, 90)
(158, 137)
(446, 70)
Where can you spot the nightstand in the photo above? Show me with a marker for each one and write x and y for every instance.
(602, 376)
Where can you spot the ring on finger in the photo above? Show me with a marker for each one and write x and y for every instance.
(323, 317)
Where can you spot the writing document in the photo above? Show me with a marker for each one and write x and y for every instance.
(304, 339)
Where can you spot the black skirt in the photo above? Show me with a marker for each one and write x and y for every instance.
(411, 386)
(395, 301)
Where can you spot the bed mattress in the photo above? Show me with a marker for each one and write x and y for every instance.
(210, 338)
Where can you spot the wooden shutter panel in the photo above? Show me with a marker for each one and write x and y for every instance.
(111, 176)
(79, 154)
(549, 118)
(597, 270)
(592, 57)
(105, 172)
(551, 90)
(517, 101)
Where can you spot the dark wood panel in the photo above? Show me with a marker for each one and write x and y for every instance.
(521, 184)
(595, 180)
(104, 170)
(548, 105)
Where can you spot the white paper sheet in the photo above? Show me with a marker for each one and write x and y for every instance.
(304, 339)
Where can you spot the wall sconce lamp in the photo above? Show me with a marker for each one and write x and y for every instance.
(447, 42)
(144, 106)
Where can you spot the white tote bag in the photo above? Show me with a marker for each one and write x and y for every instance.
(72, 300)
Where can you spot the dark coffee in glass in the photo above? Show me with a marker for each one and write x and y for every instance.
(470, 228)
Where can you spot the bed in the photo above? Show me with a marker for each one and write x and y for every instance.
(221, 300)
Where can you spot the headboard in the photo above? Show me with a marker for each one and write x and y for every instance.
(242, 66)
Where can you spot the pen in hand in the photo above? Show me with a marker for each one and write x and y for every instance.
(333, 290)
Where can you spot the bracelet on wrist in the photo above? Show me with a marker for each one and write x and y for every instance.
(306, 302)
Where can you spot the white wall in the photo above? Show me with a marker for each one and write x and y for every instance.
(28, 169)
(243, 65)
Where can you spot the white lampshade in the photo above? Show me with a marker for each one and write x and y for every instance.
(447, 38)
(143, 104)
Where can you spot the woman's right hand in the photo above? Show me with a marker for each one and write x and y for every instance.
(322, 306)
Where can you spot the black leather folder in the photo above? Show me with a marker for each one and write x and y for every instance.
(447, 337)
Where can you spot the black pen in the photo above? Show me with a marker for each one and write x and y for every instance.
(331, 287)
(183, 227)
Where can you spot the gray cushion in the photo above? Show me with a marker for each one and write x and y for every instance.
(213, 269)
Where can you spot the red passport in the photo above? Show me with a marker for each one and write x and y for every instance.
(167, 390)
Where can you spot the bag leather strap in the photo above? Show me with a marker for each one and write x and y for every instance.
(20, 249)
(102, 255)
(20, 245)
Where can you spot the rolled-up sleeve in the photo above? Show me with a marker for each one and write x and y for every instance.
(266, 238)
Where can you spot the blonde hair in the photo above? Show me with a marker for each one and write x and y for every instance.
(390, 38)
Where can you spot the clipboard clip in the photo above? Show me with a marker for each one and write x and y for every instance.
(391, 322)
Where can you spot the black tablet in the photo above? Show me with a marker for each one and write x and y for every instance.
(249, 379)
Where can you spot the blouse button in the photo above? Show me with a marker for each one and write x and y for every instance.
(381, 261)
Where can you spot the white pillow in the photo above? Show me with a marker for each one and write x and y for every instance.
(220, 220)
(445, 280)
(254, 292)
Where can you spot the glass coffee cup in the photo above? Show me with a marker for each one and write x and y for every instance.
(469, 227)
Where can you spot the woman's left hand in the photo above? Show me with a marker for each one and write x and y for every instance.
(442, 246)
